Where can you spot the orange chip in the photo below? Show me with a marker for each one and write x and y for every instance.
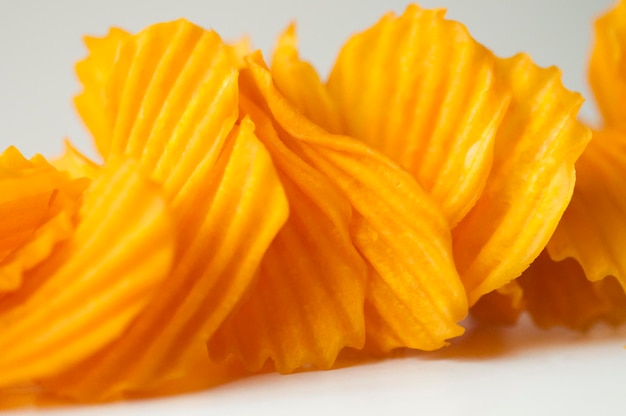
(414, 296)
(93, 72)
(558, 293)
(421, 90)
(75, 164)
(37, 206)
(593, 229)
(531, 181)
(308, 301)
(500, 307)
(213, 267)
(607, 66)
(493, 141)
(173, 99)
(290, 73)
(85, 295)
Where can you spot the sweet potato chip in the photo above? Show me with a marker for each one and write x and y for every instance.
(37, 205)
(558, 293)
(421, 90)
(173, 98)
(531, 181)
(88, 291)
(414, 297)
(308, 301)
(593, 229)
(607, 66)
(93, 72)
(211, 272)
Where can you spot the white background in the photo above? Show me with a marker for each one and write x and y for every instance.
(40, 41)
(528, 372)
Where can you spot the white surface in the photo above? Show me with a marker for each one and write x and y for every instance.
(530, 371)
(516, 371)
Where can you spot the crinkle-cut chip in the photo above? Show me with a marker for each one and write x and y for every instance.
(238, 212)
(88, 291)
(173, 98)
(414, 294)
(531, 181)
(607, 66)
(238, 50)
(500, 307)
(290, 74)
(200, 374)
(612, 293)
(75, 164)
(423, 92)
(593, 228)
(93, 73)
(36, 249)
(558, 293)
(18, 397)
(307, 304)
(37, 204)
(21, 216)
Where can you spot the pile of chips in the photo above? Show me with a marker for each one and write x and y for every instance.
(247, 215)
